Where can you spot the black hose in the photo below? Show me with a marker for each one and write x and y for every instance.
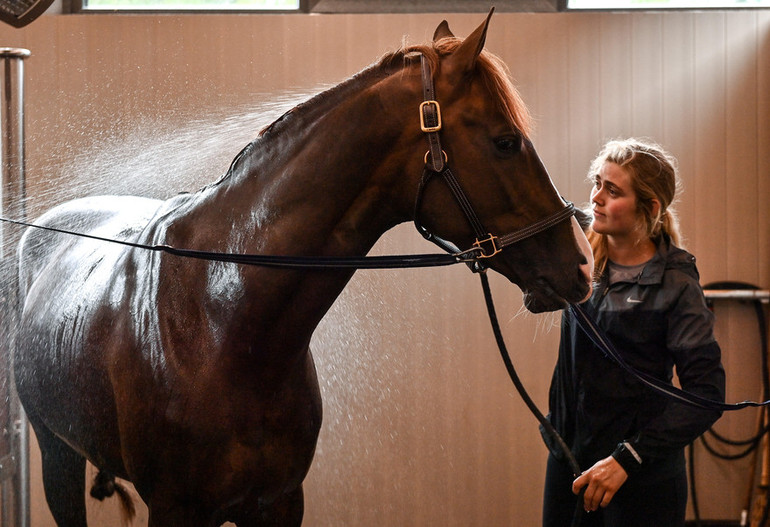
(753, 442)
(741, 442)
(729, 457)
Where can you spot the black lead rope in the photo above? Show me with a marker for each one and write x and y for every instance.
(486, 245)
(600, 339)
(367, 262)
(544, 422)
(584, 320)
(299, 262)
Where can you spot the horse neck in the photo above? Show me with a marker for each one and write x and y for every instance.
(312, 175)
(319, 185)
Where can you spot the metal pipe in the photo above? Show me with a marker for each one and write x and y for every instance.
(761, 295)
(15, 504)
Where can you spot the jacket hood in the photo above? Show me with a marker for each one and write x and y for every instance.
(668, 256)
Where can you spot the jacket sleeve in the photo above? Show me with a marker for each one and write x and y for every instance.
(697, 358)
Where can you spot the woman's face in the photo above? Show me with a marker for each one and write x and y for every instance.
(613, 202)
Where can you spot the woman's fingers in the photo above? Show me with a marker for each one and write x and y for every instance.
(600, 482)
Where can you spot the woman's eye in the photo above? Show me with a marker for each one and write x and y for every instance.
(508, 144)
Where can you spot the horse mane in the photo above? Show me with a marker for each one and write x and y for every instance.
(493, 72)
(373, 71)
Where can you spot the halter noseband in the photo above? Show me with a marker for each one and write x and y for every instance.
(486, 244)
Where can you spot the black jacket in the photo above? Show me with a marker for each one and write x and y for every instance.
(657, 321)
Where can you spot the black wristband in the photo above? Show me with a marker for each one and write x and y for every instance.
(628, 458)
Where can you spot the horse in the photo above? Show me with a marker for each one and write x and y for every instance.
(193, 378)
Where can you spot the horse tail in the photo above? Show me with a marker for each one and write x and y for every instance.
(105, 485)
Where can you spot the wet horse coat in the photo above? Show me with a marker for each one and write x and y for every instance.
(193, 379)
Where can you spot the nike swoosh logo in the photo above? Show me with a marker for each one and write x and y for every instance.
(633, 300)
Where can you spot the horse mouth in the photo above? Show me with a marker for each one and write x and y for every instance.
(541, 303)
(543, 298)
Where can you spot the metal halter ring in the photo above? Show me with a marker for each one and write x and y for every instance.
(446, 159)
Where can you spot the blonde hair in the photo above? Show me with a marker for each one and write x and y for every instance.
(654, 176)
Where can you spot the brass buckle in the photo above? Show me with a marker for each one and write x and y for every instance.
(422, 117)
(492, 241)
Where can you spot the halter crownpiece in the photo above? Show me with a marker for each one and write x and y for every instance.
(430, 118)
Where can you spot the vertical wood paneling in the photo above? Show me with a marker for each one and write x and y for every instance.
(763, 140)
(616, 83)
(679, 113)
(646, 93)
(741, 142)
(709, 185)
(421, 424)
(585, 74)
(546, 91)
(544, 78)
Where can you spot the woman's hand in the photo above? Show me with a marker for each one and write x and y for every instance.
(601, 482)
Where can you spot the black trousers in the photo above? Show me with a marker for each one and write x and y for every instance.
(642, 501)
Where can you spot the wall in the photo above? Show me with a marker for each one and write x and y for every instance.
(422, 426)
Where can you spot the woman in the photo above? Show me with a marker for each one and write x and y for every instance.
(628, 439)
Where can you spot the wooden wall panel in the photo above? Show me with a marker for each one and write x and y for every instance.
(546, 88)
(616, 83)
(421, 424)
(583, 113)
(763, 142)
(677, 130)
(646, 94)
(710, 219)
(741, 145)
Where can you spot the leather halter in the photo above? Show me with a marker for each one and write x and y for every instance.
(487, 244)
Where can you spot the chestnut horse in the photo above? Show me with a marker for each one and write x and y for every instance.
(193, 379)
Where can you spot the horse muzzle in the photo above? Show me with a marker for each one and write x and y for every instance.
(545, 295)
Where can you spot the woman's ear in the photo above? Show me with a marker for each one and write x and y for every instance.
(655, 207)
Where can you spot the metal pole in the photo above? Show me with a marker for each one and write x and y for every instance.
(14, 465)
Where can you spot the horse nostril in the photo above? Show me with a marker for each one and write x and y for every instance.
(585, 271)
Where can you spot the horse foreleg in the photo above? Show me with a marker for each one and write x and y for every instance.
(63, 478)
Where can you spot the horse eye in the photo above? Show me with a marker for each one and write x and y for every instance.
(508, 144)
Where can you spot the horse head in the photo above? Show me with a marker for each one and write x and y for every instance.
(484, 134)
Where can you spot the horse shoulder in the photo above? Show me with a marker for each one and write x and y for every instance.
(107, 216)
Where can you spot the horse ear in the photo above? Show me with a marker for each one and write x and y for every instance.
(442, 31)
(464, 57)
